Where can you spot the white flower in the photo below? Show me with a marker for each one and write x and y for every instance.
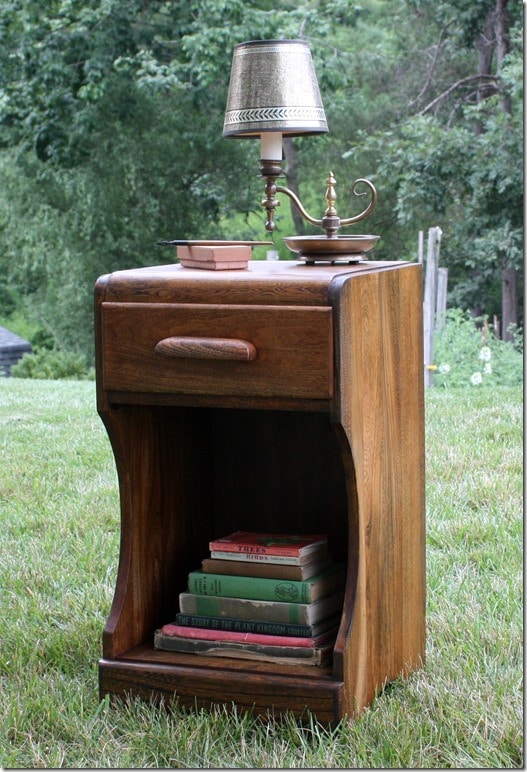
(485, 354)
(476, 379)
(487, 369)
(444, 368)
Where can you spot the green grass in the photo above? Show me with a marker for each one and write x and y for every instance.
(59, 542)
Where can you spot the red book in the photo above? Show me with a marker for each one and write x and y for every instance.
(204, 634)
(276, 544)
(217, 258)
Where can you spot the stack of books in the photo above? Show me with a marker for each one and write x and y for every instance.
(270, 597)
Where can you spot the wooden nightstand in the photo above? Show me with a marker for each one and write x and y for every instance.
(284, 397)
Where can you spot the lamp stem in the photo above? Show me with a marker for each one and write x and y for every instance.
(331, 222)
(271, 170)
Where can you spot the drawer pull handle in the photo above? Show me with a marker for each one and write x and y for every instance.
(227, 349)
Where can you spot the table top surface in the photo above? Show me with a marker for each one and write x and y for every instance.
(264, 282)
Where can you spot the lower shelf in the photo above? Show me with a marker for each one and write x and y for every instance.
(197, 681)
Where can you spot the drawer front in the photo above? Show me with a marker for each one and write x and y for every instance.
(269, 351)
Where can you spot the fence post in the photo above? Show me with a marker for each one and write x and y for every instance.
(430, 296)
(442, 281)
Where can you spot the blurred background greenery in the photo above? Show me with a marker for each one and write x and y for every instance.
(111, 117)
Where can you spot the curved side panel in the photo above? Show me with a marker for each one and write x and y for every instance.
(165, 513)
(353, 556)
(380, 409)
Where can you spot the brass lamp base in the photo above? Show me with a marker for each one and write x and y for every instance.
(328, 248)
(321, 249)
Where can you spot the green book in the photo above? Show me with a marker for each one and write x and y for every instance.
(228, 624)
(259, 588)
(266, 610)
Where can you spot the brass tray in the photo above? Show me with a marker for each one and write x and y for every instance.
(324, 249)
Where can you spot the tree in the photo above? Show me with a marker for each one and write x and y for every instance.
(111, 118)
(453, 156)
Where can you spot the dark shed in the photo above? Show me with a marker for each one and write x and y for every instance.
(12, 348)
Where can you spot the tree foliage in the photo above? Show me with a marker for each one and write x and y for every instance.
(111, 115)
(457, 162)
(434, 115)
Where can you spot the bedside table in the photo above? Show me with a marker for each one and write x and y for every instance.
(284, 397)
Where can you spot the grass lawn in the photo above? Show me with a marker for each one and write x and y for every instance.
(59, 543)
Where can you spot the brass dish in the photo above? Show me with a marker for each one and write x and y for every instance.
(323, 249)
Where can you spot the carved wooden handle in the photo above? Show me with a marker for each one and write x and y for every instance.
(227, 349)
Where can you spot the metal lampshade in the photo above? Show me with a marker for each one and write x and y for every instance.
(273, 88)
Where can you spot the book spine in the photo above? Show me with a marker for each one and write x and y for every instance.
(240, 608)
(287, 654)
(250, 587)
(244, 625)
(256, 549)
(222, 554)
(268, 570)
(268, 544)
(204, 634)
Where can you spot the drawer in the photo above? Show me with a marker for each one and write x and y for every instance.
(267, 351)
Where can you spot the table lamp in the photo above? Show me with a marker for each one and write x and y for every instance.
(273, 92)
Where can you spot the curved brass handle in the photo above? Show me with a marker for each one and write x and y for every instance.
(331, 222)
(227, 349)
(371, 206)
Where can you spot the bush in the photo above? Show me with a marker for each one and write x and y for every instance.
(467, 353)
(52, 364)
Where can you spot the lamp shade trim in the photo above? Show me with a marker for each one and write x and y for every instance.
(297, 118)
